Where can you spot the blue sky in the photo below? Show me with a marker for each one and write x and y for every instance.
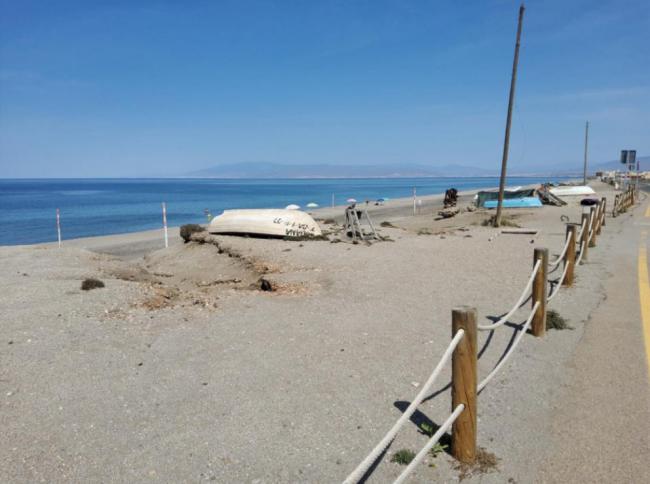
(146, 88)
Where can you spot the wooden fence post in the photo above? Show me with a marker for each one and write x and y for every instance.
(570, 255)
(463, 384)
(599, 216)
(615, 208)
(538, 325)
(584, 240)
(604, 202)
(593, 219)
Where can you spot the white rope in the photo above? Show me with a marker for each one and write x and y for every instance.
(362, 468)
(522, 298)
(559, 283)
(582, 251)
(552, 265)
(582, 227)
(496, 369)
(429, 445)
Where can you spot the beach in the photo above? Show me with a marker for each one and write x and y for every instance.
(182, 369)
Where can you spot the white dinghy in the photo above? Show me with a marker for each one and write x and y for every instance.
(572, 191)
(273, 222)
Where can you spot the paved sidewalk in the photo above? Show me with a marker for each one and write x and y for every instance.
(602, 428)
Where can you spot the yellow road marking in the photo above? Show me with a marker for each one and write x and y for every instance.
(647, 211)
(644, 298)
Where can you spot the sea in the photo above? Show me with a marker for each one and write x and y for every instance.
(91, 207)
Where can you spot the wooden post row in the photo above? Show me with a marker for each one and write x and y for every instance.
(538, 325)
(584, 244)
(593, 220)
(570, 255)
(463, 384)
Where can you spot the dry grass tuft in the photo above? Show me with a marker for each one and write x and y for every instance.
(505, 222)
(485, 462)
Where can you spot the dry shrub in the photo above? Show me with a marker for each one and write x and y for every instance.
(505, 222)
(91, 283)
(188, 229)
(387, 224)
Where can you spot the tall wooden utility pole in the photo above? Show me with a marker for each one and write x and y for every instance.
(584, 175)
(511, 101)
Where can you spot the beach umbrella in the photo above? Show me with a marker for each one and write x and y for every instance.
(293, 206)
(312, 205)
(351, 200)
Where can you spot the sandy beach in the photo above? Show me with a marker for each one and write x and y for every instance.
(181, 369)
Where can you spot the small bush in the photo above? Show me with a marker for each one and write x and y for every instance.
(329, 221)
(403, 457)
(555, 321)
(189, 229)
(91, 283)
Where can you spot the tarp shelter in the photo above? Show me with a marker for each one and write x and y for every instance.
(482, 197)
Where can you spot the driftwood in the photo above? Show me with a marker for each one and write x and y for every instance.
(548, 198)
(448, 213)
(520, 231)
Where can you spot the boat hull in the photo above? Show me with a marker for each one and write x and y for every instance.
(525, 202)
(572, 191)
(267, 222)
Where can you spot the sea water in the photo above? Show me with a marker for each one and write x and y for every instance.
(91, 207)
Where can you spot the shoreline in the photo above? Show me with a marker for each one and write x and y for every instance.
(392, 208)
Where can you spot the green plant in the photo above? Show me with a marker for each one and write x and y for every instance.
(555, 321)
(189, 229)
(403, 457)
(91, 283)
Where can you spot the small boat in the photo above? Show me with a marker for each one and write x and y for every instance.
(572, 191)
(292, 206)
(270, 222)
(482, 198)
(312, 205)
(524, 202)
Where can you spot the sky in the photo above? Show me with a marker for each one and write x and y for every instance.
(154, 88)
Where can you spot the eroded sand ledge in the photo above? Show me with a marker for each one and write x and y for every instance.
(182, 369)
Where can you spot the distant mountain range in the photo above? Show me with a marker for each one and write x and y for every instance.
(280, 170)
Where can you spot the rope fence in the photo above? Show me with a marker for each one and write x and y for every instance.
(505, 357)
(462, 350)
(362, 468)
(522, 298)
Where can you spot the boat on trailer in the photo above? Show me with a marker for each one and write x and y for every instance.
(266, 222)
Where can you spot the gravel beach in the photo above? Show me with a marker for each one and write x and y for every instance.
(181, 369)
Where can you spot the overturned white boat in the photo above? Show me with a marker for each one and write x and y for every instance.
(270, 222)
(572, 191)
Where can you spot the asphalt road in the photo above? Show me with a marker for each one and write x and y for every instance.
(602, 433)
